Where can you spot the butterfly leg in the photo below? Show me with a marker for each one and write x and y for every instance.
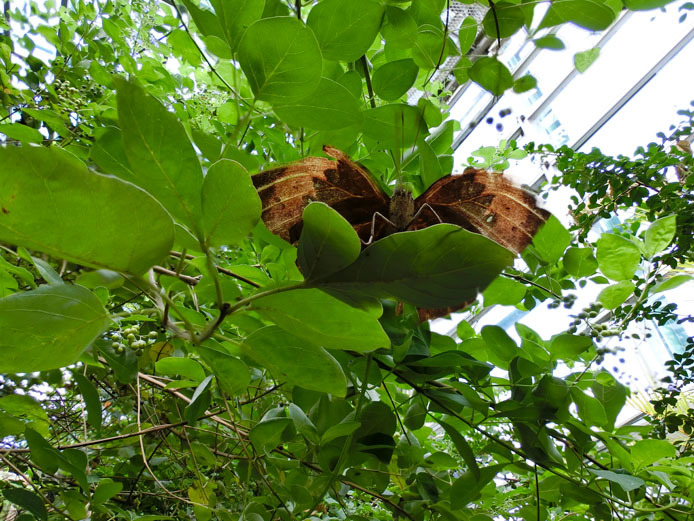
(373, 227)
(421, 208)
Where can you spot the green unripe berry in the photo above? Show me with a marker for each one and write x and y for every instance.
(131, 338)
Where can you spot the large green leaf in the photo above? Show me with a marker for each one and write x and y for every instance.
(52, 203)
(551, 240)
(491, 75)
(504, 291)
(645, 5)
(328, 243)
(440, 266)
(329, 107)
(345, 30)
(399, 28)
(394, 126)
(26, 411)
(230, 204)
(617, 257)
(614, 295)
(626, 481)
(659, 235)
(503, 19)
(569, 347)
(27, 500)
(48, 327)
(393, 79)
(160, 153)
(91, 400)
(281, 59)
(317, 317)
(235, 16)
(646, 452)
(594, 15)
(580, 262)
(295, 360)
(590, 410)
(232, 374)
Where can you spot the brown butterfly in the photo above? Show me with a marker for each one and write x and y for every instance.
(477, 200)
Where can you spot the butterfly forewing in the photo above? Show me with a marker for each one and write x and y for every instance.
(342, 184)
(486, 203)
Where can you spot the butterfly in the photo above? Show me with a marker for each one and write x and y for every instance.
(479, 201)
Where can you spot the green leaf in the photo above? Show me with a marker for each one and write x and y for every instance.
(338, 431)
(415, 416)
(430, 47)
(583, 60)
(647, 452)
(235, 16)
(394, 126)
(27, 411)
(551, 240)
(52, 203)
(393, 79)
(281, 59)
(671, 283)
(611, 394)
(580, 262)
(569, 347)
(463, 448)
(659, 235)
(440, 266)
(27, 500)
(319, 318)
(20, 132)
(105, 490)
(467, 487)
(295, 360)
(467, 34)
(160, 153)
(232, 374)
(230, 204)
(267, 434)
(593, 15)
(504, 291)
(205, 20)
(329, 107)
(328, 243)
(612, 296)
(645, 5)
(506, 16)
(48, 327)
(199, 402)
(187, 367)
(50, 459)
(492, 75)
(590, 409)
(626, 481)
(303, 425)
(550, 42)
(399, 28)
(91, 400)
(345, 30)
(617, 257)
(500, 343)
(524, 83)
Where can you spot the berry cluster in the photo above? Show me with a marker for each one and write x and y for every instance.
(73, 99)
(131, 337)
(595, 330)
(566, 300)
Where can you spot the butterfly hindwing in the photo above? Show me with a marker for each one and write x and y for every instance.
(483, 202)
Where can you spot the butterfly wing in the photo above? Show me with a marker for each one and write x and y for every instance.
(342, 184)
(483, 202)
